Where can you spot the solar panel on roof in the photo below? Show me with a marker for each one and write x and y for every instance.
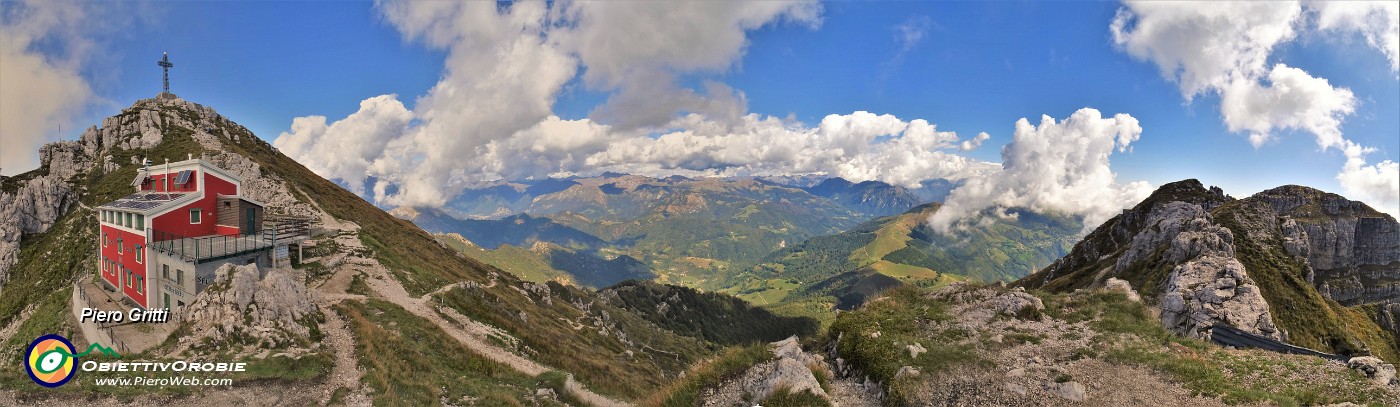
(140, 179)
(143, 201)
(182, 178)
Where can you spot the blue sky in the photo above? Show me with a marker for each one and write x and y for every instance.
(977, 67)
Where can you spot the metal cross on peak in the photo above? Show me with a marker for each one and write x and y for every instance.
(165, 65)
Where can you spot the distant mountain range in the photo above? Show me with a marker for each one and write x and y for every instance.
(899, 249)
(693, 231)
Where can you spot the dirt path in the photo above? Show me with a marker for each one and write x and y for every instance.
(471, 333)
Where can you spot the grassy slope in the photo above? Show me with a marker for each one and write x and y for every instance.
(1130, 335)
(899, 319)
(727, 365)
(419, 261)
(401, 370)
(595, 356)
(1310, 319)
(1125, 333)
(901, 246)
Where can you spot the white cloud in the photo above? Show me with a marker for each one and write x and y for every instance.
(1378, 185)
(1224, 48)
(910, 33)
(639, 48)
(615, 40)
(859, 146)
(1292, 100)
(346, 148)
(1377, 21)
(973, 143)
(490, 116)
(1204, 46)
(41, 90)
(1055, 167)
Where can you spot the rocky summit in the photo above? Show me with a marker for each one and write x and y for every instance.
(1291, 263)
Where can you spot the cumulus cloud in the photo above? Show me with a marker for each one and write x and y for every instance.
(1292, 100)
(1375, 184)
(41, 90)
(1204, 46)
(857, 146)
(973, 143)
(1377, 21)
(1054, 167)
(491, 114)
(638, 49)
(1224, 48)
(346, 148)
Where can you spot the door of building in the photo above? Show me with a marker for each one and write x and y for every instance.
(249, 221)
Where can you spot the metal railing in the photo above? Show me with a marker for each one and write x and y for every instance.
(276, 229)
(105, 330)
(287, 227)
(194, 249)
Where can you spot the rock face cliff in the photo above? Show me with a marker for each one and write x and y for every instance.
(1286, 263)
(1352, 251)
(32, 206)
(31, 202)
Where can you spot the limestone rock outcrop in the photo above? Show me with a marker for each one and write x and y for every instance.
(788, 370)
(38, 202)
(1207, 285)
(1380, 373)
(243, 306)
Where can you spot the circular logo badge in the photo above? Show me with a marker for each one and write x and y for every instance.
(50, 360)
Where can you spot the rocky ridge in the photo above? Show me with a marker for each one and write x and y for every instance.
(1197, 255)
(1352, 251)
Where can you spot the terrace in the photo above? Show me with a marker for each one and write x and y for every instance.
(203, 249)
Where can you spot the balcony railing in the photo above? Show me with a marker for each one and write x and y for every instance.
(276, 230)
(206, 248)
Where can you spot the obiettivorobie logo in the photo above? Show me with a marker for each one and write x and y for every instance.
(51, 361)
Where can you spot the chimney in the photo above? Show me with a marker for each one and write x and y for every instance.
(189, 156)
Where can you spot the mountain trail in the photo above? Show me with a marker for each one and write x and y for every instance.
(469, 332)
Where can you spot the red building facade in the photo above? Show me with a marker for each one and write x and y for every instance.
(150, 240)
